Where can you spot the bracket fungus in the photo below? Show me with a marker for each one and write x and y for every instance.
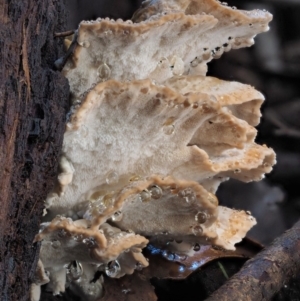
(148, 140)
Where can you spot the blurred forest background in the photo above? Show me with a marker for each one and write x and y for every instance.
(272, 66)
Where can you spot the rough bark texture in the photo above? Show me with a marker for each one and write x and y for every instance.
(33, 99)
(265, 274)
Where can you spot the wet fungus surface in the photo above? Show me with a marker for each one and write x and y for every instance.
(148, 140)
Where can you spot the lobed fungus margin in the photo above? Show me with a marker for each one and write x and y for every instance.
(148, 140)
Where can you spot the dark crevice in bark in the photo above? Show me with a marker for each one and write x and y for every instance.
(33, 102)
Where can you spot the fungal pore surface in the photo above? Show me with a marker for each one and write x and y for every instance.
(148, 140)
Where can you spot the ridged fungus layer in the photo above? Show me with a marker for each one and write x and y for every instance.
(148, 140)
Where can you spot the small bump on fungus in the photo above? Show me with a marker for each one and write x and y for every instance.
(148, 140)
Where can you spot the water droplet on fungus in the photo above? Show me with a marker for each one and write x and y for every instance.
(85, 44)
(56, 244)
(197, 230)
(112, 269)
(145, 196)
(117, 216)
(135, 178)
(201, 217)
(138, 266)
(84, 131)
(169, 129)
(103, 72)
(112, 177)
(77, 237)
(108, 200)
(156, 192)
(195, 62)
(188, 194)
(74, 270)
(196, 247)
(168, 255)
(90, 242)
(61, 233)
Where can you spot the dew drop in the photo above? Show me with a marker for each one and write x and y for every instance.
(213, 98)
(117, 216)
(107, 201)
(56, 244)
(180, 257)
(103, 72)
(201, 217)
(196, 247)
(90, 242)
(156, 192)
(169, 129)
(233, 7)
(77, 237)
(84, 131)
(112, 269)
(85, 44)
(168, 255)
(138, 266)
(100, 207)
(188, 194)
(62, 233)
(195, 105)
(197, 230)
(112, 177)
(195, 62)
(145, 196)
(74, 270)
(135, 178)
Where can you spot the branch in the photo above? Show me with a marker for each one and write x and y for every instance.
(64, 33)
(263, 276)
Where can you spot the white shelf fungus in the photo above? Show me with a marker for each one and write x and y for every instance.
(148, 140)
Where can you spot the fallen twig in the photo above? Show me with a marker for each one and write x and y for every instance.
(60, 63)
(264, 275)
(64, 33)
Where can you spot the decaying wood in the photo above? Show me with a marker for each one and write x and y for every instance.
(33, 101)
(264, 275)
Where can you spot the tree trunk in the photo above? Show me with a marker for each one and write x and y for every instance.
(33, 101)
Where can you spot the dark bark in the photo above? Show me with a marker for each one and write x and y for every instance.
(33, 100)
(265, 274)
